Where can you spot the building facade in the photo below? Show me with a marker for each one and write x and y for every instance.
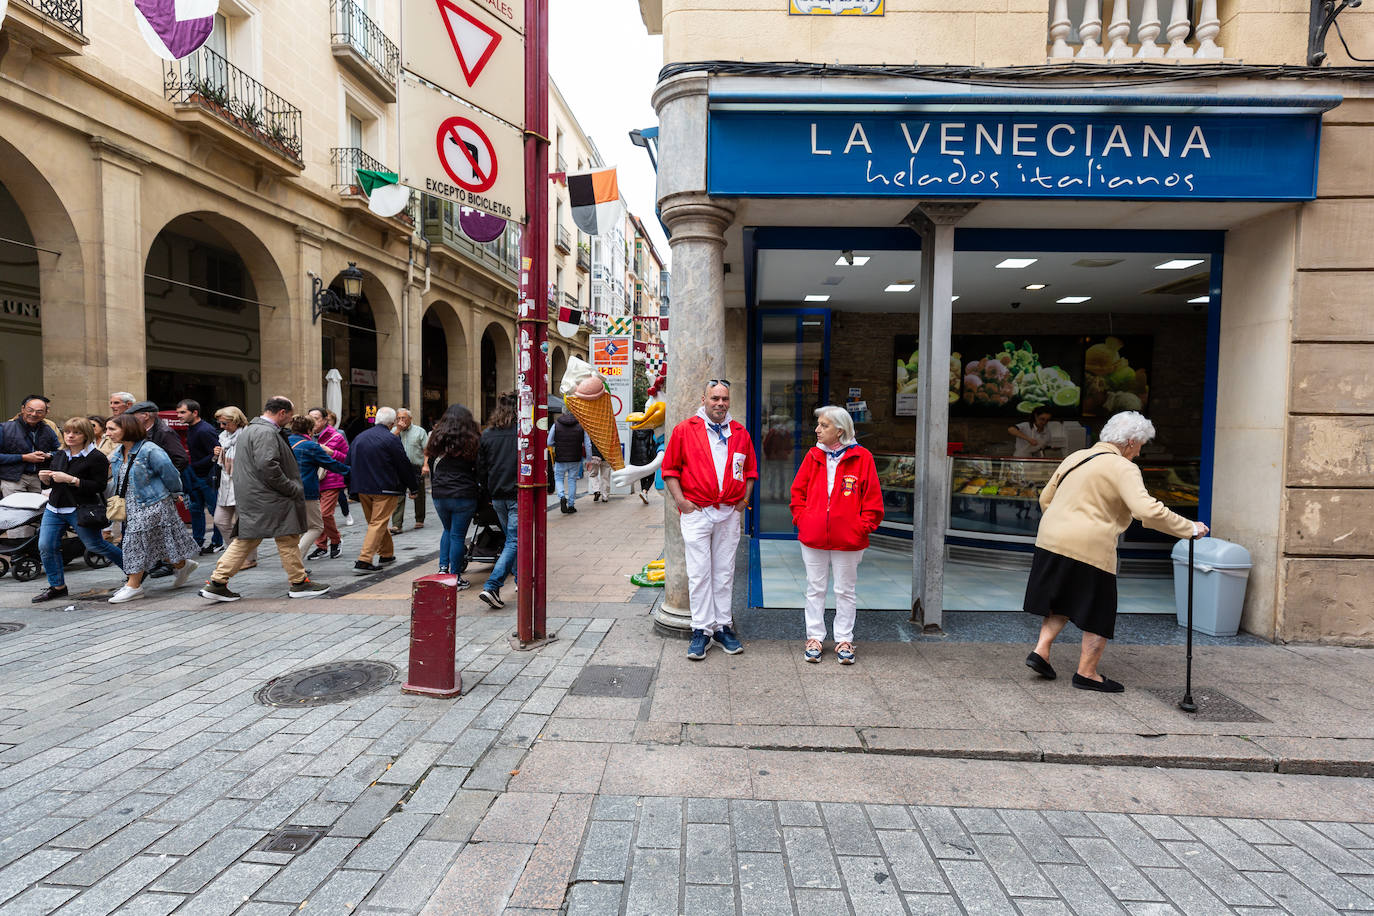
(164, 223)
(646, 272)
(1177, 193)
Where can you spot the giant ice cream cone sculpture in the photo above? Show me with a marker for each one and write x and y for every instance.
(585, 396)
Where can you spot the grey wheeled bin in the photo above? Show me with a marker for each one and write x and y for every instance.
(1221, 570)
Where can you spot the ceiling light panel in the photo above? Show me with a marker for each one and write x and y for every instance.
(1035, 286)
(1178, 264)
(859, 261)
(900, 287)
(1200, 300)
(1073, 300)
(815, 298)
(1016, 263)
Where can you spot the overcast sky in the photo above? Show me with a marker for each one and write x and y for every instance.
(606, 65)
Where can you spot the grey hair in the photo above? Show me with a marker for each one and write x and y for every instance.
(839, 418)
(386, 416)
(124, 396)
(1127, 426)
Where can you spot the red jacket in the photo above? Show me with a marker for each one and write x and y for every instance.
(843, 518)
(688, 458)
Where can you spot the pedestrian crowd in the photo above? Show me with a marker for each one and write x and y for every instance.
(150, 500)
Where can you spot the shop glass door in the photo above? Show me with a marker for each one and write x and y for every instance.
(794, 353)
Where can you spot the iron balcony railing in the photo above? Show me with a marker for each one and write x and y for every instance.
(207, 80)
(353, 27)
(584, 258)
(563, 239)
(67, 12)
(347, 160)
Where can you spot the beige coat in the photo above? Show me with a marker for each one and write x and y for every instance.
(1084, 518)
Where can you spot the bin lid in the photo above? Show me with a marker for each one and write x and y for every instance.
(1213, 552)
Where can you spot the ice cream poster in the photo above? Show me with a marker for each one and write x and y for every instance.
(1116, 374)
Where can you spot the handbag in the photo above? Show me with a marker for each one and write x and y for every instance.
(116, 509)
(92, 516)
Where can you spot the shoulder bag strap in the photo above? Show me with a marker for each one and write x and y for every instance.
(122, 487)
(1079, 465)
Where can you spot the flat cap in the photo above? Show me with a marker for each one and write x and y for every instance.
(143, 407)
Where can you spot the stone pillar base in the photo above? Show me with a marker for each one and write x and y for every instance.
(672, 621)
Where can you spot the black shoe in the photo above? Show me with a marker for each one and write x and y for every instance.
(319, 553)
(161, 571)
(1106, 685)
(596, 497)
(50, 593)
(571, 508)
(335, 551)
(491, 597)
(386, 560)
(362, 567)
(211, 549)
(563, 505)
(1040, 666)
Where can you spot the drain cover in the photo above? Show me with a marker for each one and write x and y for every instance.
(7, 628)
(612, 681)
(321, 684)
(290, 839)
(1212, 705)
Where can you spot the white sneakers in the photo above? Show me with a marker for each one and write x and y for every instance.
(185, 573)
(126, 593)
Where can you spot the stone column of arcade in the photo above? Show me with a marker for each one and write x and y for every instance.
(119, 274)
(696, 352)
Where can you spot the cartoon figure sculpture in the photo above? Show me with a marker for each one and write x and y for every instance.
(653, 417)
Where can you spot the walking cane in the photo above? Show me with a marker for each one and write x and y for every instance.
(1186, 704)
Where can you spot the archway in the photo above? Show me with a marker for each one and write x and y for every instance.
(498, 366)
(558, 364)
(46, 343)
(363, 344)
(202, 317)
(443, 360)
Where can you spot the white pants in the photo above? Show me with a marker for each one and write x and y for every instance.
(819, 564)
(598, 477)
(709, 540)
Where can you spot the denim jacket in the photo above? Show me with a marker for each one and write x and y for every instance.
(310, 457)
(153, 477)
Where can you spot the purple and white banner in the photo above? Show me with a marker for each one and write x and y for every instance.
(175, 28)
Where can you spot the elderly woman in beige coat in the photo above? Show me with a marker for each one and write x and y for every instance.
(1090, 499)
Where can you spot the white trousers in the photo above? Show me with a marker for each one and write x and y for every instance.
(819, 564)
(709, 547)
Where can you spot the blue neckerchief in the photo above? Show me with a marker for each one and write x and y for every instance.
(718, 429)
(837, 453)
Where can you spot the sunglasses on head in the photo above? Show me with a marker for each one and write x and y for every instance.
(713, 382)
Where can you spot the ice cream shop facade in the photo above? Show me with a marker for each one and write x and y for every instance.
(949, 255)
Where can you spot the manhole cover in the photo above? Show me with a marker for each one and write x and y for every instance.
(321, 684)
(612, 681)
(290, 839)
(1212, 705)
(7, 628)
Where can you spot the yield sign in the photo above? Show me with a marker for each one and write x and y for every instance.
(473, 40)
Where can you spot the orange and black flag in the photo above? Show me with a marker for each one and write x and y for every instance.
(595, 199)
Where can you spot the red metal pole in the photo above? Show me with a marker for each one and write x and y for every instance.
(531, 382)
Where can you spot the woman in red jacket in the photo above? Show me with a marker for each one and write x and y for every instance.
(836, 505)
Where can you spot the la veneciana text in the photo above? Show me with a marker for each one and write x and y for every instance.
(1058, 156)
(1062, 154)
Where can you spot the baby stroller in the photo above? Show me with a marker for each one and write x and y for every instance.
(20, 554)
(486, 536)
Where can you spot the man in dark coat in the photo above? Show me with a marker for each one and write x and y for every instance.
(382, 474)
(270, 500)
(27, 444)
(156, 430)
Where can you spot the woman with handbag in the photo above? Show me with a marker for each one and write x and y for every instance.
(77, 478)
(231, 420)
(144, 483)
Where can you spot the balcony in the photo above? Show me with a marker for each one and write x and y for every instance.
(346, 161)
(584, 257)
(50, 26)
(440, 226)
(229, 108)
(562, 164)
(363, 49)
(1076, 32)
(563, 239)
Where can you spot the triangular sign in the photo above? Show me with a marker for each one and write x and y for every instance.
(473, 40)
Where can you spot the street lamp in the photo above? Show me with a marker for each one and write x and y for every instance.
(323, 299)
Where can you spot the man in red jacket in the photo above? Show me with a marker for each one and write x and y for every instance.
(709, 469)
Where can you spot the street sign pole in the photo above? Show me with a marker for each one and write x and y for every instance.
(531, 380)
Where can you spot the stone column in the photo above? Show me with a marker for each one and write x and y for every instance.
(696, 352)
(118, 273)
(291, 353)
(935, 224)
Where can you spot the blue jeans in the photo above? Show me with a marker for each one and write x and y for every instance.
(50, 533)
(200, 498)
(505, 563)
(454, 515)
(565, 474)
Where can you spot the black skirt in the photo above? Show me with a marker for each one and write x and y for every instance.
(1083, 593)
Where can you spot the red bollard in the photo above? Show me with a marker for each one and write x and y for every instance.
(433, 616)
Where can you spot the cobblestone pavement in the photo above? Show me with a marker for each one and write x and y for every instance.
(719, 856)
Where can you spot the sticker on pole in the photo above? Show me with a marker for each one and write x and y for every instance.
(467, 154)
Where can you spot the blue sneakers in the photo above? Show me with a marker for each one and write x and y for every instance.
(728, 641)
(701, 641)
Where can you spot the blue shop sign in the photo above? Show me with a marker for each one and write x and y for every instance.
(1028, 153)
